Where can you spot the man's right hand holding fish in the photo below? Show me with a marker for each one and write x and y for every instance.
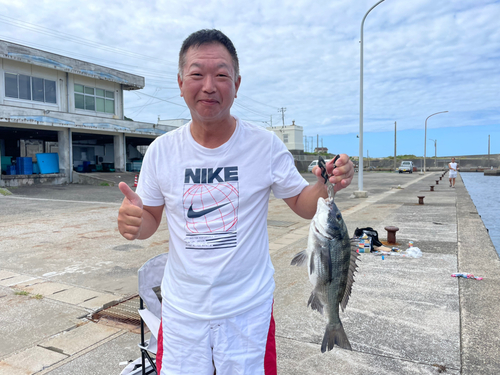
(340, 171)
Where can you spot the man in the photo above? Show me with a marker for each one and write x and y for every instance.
(213, 177)
(453, 172)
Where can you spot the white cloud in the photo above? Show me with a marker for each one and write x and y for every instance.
(420, 56)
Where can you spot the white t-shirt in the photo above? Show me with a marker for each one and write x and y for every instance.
(216, 202)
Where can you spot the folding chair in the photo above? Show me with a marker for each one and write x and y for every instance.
(150, 276)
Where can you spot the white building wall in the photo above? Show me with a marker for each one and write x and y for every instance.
(65, 83)
(17, 67)
(291, 135)
(99, 84)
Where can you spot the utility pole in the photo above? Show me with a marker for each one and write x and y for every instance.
(282, 110)
(395, 145)
(317, 143)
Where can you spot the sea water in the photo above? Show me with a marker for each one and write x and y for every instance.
(485, 193)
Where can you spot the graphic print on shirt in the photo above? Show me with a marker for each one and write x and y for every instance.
(211, 201)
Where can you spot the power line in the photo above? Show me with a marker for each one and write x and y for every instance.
(238, 104)
(163, 100)
(69, 37)
(267, 105)
(158, 100)
(135, 68)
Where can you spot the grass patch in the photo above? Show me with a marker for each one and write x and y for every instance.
(37, 296)
(21, 293)
(5, 192)
(103, 184)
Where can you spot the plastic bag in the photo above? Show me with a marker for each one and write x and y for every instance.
(414, 252)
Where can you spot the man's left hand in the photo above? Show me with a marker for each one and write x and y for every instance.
(341, 176)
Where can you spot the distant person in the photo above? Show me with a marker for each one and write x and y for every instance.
(213, 178)
(453, 172)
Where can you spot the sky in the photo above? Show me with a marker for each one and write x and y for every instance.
(420, 57)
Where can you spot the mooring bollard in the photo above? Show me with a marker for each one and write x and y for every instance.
(437, 182)
(421, 199)
(391, 234)
(432, 188)
(440, 178)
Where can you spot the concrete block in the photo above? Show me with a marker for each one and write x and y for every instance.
(46, 288)
(16, 280)
(30, 282)
(99, 301)
(4, 274)
(104, 359)
(78, 339)
(25, 321)
(30, 361)
(74, 296)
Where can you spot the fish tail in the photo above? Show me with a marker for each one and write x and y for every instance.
(335, 334)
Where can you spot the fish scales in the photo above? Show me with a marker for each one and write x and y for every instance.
(331, 261)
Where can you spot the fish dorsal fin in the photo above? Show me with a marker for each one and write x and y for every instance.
(350, 275)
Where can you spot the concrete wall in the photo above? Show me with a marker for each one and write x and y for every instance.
(34, 179)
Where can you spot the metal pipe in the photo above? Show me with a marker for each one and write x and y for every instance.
(360, 167)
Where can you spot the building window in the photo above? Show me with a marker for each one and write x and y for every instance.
(93, 99)
(21, 86)
(285, 138)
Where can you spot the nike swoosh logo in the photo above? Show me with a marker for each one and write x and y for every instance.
(192, 214)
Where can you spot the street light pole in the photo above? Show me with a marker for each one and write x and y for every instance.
(425, 139)
(435, 151)
(361, 193)
(394, 146)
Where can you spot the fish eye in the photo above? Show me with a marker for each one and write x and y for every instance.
(339, 216)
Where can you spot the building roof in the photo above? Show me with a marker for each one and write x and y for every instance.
(38, 57)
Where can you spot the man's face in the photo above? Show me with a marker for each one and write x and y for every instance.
(208, 85)
(452, 160)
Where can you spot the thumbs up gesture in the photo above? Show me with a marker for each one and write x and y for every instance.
(130, 213)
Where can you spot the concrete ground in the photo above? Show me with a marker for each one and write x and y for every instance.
(61, 257)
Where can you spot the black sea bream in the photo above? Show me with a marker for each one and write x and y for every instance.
(331, 263)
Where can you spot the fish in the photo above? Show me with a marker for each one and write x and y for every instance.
(331, 258)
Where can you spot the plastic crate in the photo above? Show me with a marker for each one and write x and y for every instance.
(24, 165)
(11, 170)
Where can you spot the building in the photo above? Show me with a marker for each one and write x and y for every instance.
(169, 125)
(291, 135)
(71, 110)
(321, 150)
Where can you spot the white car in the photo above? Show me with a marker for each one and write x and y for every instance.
(312, 165)
(406, 166)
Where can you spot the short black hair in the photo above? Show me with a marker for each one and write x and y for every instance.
(208, 36)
